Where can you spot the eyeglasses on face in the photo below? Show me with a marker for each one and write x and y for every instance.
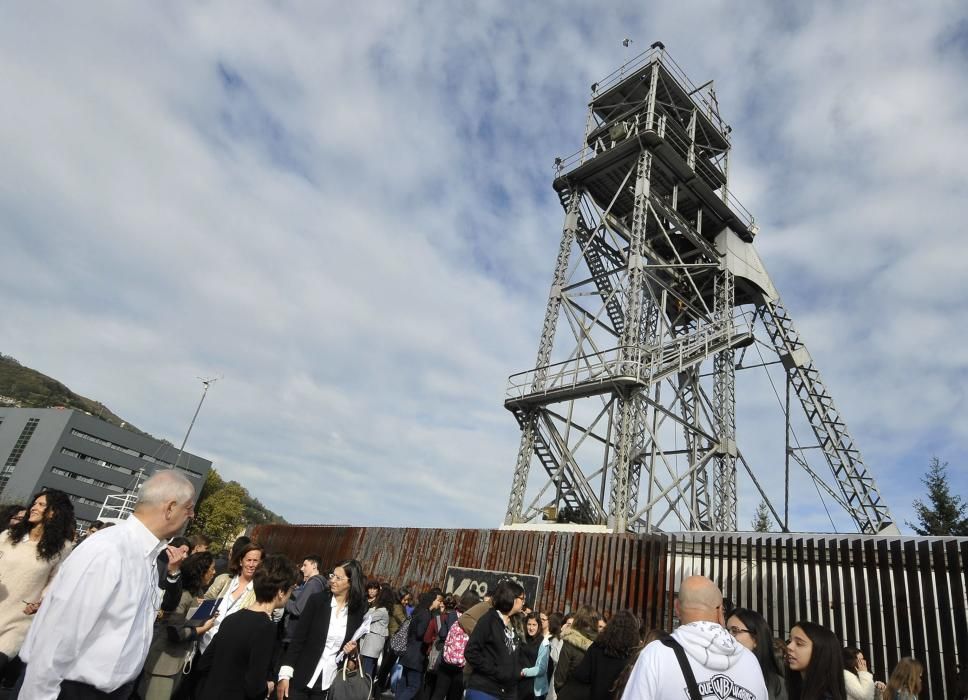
(334, 577)
(737, 630)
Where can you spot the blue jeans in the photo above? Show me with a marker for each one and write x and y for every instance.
(409, 684)
(369, 666)
(471, 694)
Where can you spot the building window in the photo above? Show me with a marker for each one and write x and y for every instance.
(86, 479)
(98, 461)
(86, 501)
(17, 452)
(151, 459)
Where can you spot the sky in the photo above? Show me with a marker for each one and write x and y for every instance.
(345, 211)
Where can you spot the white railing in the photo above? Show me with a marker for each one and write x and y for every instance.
(118, 507)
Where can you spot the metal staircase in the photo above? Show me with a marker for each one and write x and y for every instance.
(856, 485)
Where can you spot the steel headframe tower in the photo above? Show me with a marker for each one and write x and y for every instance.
(629, 412)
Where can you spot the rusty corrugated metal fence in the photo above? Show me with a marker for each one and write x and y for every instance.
(890, 597)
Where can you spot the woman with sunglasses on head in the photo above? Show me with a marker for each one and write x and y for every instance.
(238, 664)
(31, 550)
(750, 629)
(815, 662)
(235, 588)
(492, 650)
(322, 632)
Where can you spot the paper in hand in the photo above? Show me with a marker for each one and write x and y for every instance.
(364, 628)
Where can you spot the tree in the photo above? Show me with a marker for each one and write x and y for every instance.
(762, 522)
(220, 513)
(944, 513)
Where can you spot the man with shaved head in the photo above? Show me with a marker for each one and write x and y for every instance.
(92, 633)
(700, 659)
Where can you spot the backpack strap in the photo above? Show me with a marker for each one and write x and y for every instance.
(684, 666)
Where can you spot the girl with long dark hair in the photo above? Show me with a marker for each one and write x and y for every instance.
(815, 663)
(750, 629)
(324, 630)
(31, 551)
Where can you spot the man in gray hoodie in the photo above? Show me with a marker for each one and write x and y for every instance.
(723, 668)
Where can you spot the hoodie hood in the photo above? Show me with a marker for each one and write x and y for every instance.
(577, 639)
(710, 645)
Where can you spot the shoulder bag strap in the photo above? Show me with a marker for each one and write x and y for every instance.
(687, 673)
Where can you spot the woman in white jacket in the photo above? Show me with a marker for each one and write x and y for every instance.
(859, 681)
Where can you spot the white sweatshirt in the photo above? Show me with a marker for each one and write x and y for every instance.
(859, 687)
(723, 667)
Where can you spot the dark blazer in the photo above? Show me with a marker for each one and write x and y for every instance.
(414, 657)
(309, 636)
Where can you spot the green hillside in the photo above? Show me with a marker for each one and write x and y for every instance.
(27, 388)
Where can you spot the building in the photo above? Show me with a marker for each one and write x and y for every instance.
(87, 458)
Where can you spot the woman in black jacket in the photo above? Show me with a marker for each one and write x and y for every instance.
(607, 657)
(324, 628)
(492, 648)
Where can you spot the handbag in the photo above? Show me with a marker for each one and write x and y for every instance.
(434, 655)
(353, 686)
(398, 642)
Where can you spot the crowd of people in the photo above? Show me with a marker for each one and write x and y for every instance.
(136, 611)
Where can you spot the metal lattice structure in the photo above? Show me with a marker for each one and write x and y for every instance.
(629, 415)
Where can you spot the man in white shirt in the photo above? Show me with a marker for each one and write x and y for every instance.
(723, 668)
(92, 633)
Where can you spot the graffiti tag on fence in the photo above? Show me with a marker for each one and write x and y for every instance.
(483, 582)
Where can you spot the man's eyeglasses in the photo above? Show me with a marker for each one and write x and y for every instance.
(737, 630)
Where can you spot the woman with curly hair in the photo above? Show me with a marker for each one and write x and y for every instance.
(614, 647)
(905, 682)
(31, 551)
(239, 662)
